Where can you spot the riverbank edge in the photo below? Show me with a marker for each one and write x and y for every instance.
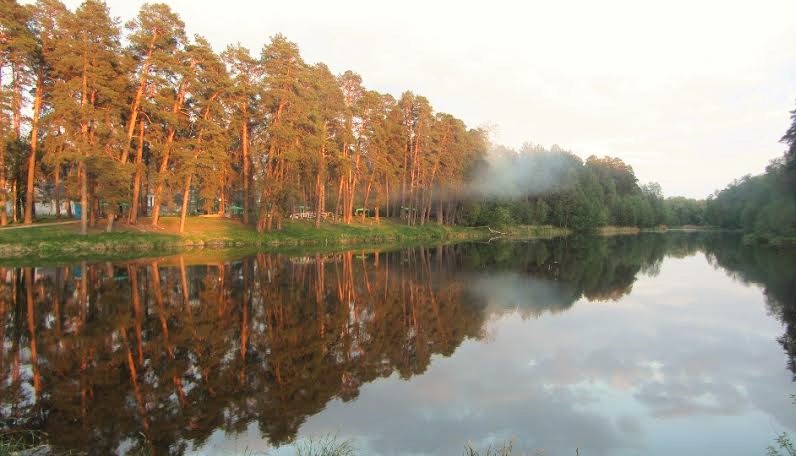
(297, 237)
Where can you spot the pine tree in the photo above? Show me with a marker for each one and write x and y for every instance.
(208, 148)
(47, 16)
(88, 92)
(245, 98)
(284, 110)
(17, 49)
(323, 130)
(156, 41)
(349, 160)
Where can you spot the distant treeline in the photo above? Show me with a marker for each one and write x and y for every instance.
(121, 122)
(764, 206)
(556, 187)
(538, 186)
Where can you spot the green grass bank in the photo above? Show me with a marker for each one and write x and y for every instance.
(63, 241)
(60, 241)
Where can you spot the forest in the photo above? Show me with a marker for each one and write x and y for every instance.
(125, 120)
(763, 206)
(537, 186)
(106, 122)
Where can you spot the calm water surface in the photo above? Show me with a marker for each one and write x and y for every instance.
(680, 343)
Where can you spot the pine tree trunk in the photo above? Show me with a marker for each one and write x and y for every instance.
(138, 95)
(342, 194)
(319, 188)
(263, 211)
(82, 171)
(139, 172)
(144, 203)
(34, 141)
(15, 201)
(156, 203)
(339, 197)
(186, 196)
(83, 176)
(404, 170)
(246, 162)
(348, 205)
(56, 192)
(365, 202)
(352, 187)
(16, 102)
(94, 204)
(222, 202)
(164, 164)
(111, 216)
(164, 167)
(3, 174)
(387, 194)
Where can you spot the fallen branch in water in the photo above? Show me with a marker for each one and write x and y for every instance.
(493, 231)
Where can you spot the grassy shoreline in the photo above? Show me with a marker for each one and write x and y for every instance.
(64, 242)
(61, 242)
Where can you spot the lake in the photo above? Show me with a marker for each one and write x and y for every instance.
(658, 344)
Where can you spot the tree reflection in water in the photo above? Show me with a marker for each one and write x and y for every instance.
(156, 355)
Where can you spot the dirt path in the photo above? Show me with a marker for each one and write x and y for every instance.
(17, 227)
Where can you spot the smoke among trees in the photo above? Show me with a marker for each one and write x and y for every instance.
(535, 185)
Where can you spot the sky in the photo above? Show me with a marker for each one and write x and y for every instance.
(692, 94)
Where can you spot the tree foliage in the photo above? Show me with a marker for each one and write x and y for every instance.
(142, 120)
(166, 123)
(764, 206)
(555, 187)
